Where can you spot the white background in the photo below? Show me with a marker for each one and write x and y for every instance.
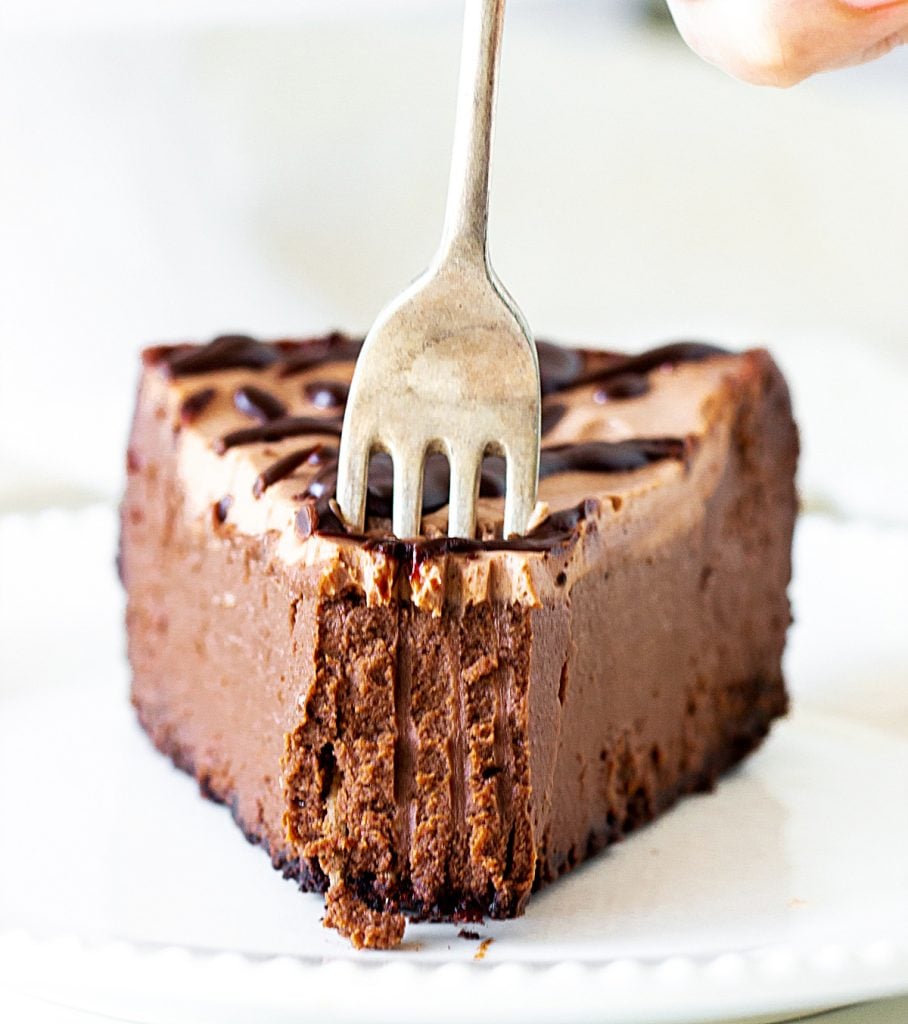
(170, 171)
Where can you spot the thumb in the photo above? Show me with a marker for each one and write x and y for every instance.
(782, 42)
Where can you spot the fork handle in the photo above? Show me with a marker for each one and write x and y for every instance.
(467, 211)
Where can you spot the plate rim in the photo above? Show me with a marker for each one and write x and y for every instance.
(771, 981)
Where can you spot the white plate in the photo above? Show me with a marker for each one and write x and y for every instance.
(121, 891)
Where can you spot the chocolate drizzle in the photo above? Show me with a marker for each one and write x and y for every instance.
(323, 484)
(552, 414)
(561, 369)
(277, 430)
(621, 386)
(258, 404)
(195, 404)
(590, 457)
(558, 530)
(327, 394)
(316, 514)
(334, 348)
(221, 508)
(611, 456)
(665, 355)
(307, 519)
(283, 468)
(228, 352)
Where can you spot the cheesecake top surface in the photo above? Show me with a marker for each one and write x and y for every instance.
(625, 458)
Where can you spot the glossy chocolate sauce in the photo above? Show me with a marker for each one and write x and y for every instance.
(326, 394)
(620, 377)
(557, 531)
(221, 509)
(552, 414)
(258, 404)
(559, 368)
(277, 430)
(610, 456)
(283, 468)
(228, 352)
(621, 386)
(590, 457)
(654, 358)
(195, 404)
(298, 357)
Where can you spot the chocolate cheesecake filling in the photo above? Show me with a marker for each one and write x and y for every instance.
(432, 727)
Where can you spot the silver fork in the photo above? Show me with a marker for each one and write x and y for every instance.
(450, 365)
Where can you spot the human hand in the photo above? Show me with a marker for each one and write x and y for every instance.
(782, 42)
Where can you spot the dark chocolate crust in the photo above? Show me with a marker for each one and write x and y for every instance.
(442, 763)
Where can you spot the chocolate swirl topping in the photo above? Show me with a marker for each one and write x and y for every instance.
(560, 369)
(611, 456)
(552, 414)
(283, 468)
(227, 352)
(665, 355)
(258, 404)
(221, 508)
(327, 394)
(591, 457)
(335, 348)
(623, 385)
(277, 430)
(620, 377)
(556, 532)
(195, 404)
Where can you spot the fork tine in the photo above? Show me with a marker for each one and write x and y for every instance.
(465, 469)
(352, 476)
(521, 481)
(409, 463)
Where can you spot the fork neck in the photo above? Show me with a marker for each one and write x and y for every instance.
(467, 211)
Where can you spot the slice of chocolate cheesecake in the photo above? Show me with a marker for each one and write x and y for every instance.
(431, 727)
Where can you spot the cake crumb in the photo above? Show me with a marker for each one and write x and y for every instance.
(468, 933)
(480, 953)
(364, 927)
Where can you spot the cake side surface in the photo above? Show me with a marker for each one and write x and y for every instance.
(433, 730)
(217, 628)
(676, 646)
